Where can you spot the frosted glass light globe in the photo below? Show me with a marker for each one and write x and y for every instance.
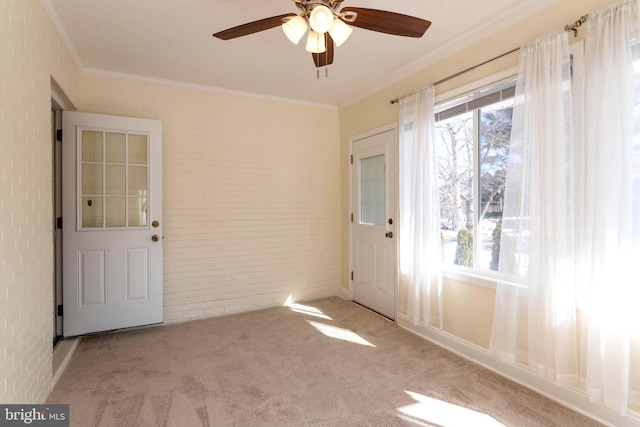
(321, 19)
(295, 28)
(315, 43)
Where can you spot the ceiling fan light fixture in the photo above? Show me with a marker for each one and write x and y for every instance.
(340, 32)
(315, 43)
(295, 28)
(321, 19)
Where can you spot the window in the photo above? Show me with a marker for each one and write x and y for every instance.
(473, 137)
(114, 176)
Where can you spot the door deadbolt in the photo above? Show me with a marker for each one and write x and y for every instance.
(155, 224)
(155, 237)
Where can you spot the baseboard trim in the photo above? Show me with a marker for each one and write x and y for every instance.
(62, 356)
(343, 293)
(476, 354)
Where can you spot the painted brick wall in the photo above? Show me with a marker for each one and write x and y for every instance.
(251, 195)
(30, 53)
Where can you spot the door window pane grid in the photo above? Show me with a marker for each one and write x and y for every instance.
(114, 180)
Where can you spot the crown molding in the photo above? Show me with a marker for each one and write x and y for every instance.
(204, 88)
(498, 23)
(62, 32)
(66, 40)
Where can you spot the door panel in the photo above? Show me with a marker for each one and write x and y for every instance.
(374, 247)
(381, 269)
(112, 207)
(92, 278)
(137, 274)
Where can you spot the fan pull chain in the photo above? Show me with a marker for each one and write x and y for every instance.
(318, 50)
(326, 72)
(327, 40)
(326, 60)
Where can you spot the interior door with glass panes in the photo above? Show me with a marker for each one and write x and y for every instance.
(373, 227)
(112, 222)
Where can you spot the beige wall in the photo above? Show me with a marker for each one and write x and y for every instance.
(461, 318)
(251, 195)
(30, 54)
(468, 311)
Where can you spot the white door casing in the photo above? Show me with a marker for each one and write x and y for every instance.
(56, 124)
(373, 229)
(112, 222)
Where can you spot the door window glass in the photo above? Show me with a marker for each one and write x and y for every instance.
(116, 144)
(91, 146)
(115, 212)
(114, 176)
(91, 212)
(372, 190)
(138, 149)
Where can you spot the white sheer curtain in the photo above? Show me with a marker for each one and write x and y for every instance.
(535, 318)
(610, 239)
(571, 225)
(420, 253)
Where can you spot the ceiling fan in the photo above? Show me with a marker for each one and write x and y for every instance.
(328, 22)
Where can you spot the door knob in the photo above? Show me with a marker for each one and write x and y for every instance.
(389, 234)
(155, 237)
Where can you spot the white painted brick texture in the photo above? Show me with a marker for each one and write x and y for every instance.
(30, 53)
(251, 195)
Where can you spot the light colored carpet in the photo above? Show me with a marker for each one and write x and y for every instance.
(326, 363)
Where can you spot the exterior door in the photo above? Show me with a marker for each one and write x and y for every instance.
(374, 237)
(112, 222)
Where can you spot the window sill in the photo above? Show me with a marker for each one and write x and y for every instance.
(470, 277)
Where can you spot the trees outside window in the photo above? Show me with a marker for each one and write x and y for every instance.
(473, 147)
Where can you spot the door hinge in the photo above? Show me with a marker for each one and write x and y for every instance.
(351, 217)
(59, 223)
(352, 275)
(59, 135)
(60, 311)
(352, 159)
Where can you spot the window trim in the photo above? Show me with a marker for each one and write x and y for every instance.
(451, 96)
(487, 86)
(477, 276)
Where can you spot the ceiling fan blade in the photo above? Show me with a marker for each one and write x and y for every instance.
(383, 21)
(252, 27)
(326, 57)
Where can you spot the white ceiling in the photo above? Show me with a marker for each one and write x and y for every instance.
(172, 41)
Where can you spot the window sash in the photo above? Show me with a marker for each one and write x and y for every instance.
(474, 102)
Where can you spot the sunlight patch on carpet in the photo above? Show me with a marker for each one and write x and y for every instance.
(308, 310)
(339, 333)
(305, 309)
(445, 414)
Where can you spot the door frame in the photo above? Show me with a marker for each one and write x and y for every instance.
(394, 204)
(59, 103)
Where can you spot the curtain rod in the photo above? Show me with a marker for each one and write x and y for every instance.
(569, 27)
